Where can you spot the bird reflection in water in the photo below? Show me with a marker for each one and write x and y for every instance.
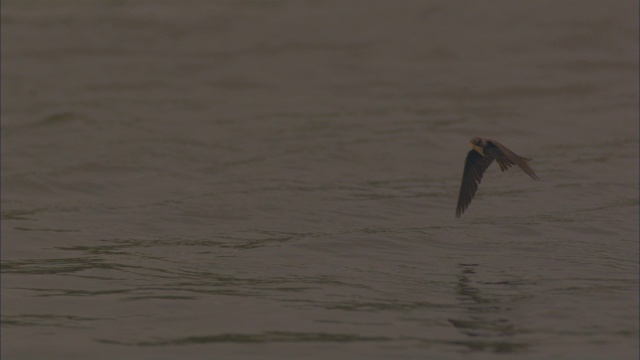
(486, 322)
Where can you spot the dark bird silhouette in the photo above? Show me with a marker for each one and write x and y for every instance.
(478, 160)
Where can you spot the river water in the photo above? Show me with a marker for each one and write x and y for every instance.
(278, 179)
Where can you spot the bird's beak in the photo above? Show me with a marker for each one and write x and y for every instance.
(477, 148)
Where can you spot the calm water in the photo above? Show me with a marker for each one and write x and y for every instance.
(278, 179)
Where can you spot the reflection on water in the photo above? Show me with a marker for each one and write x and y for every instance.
(485, 322)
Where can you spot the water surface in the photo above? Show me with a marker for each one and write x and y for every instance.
(278, 179)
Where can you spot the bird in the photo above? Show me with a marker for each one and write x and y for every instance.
(483, 153)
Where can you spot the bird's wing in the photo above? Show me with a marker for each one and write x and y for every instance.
(510, 156)
(474, 167)
(505, 164)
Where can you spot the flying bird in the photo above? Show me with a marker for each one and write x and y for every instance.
(482, 154)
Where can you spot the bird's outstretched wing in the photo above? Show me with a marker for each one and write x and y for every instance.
(504, 153)
(505, 164)
(474, 167)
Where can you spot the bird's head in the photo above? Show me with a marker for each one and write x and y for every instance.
(478, 144)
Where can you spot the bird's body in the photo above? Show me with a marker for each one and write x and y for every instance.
(484, 152)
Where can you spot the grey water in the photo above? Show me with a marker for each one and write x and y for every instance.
(278, 179)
